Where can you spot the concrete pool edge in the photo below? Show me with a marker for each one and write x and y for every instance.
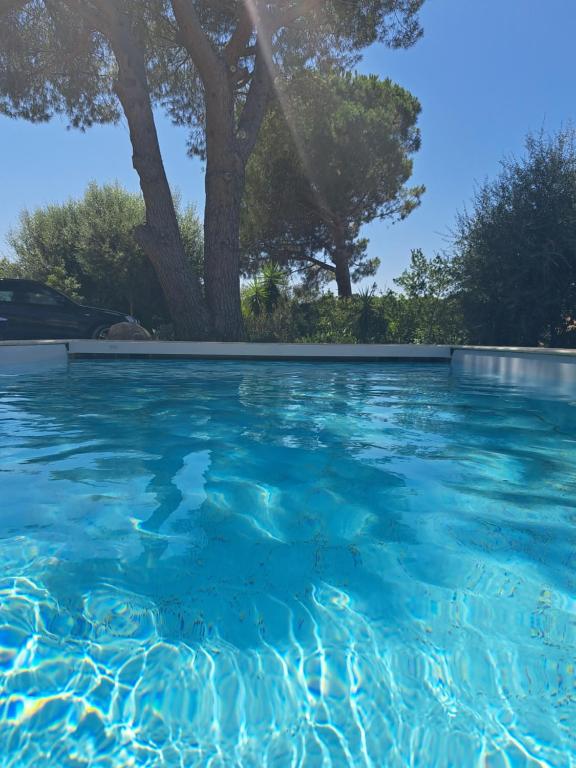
(211, 350)
(552, 369)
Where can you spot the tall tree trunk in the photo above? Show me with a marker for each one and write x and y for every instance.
(554, 324)
(160, 237)
(341, 259)
(230, 140)
(225, 180)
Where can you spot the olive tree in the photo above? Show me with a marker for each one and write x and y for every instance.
(514, 265)
(87, 249)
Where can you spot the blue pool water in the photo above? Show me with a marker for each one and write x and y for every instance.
(277, 564)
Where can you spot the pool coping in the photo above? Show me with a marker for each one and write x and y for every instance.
(551, 370)
(80, 349)
(213, 350)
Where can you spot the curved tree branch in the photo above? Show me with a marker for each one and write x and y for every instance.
(256, 101)
(196, 41)
(240, 38)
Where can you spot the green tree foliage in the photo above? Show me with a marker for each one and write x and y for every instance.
(427, 277)
(51, 63)
(86, 248)
(90, 60)
(427, 312)
(265, 291)
(7, 268)
(213, 65)
(514, 267)
(334, 153)
(365, 318)
(432, 312)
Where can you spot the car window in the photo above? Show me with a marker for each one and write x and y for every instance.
(6, 297)
(38, 296)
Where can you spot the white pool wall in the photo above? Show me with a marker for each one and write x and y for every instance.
(544, 370)
(26, 358)
(552, 371)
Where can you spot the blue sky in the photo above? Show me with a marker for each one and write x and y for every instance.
(486, 72)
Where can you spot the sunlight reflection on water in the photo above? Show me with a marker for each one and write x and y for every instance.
(231, 564)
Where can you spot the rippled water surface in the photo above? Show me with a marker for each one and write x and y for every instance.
(276, 564)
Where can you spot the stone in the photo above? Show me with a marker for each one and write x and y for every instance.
(127, 332)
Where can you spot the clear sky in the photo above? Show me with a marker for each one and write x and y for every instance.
(486, 72)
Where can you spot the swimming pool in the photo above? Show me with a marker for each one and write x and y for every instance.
(283, 564)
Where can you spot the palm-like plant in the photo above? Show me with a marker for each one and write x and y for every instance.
(255, 298)
(264, 293)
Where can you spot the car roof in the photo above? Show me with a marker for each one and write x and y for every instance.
(13, 282)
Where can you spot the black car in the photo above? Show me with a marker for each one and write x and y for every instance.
(31, 310)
